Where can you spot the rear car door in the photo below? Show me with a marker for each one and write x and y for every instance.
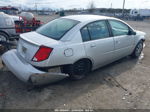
(124, 41)
(98, 43)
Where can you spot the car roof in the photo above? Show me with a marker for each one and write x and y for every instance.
(85, 18)
(90, 18)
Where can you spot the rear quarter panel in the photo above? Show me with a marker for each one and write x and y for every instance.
(65, 53)
(68, 52)
(69, 49)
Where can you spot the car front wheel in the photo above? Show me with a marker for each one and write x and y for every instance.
(138, 49)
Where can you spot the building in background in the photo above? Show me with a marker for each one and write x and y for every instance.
(140, 12)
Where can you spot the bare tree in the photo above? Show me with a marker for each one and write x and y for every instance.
(91, 6)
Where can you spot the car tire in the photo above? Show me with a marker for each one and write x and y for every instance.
(3, 38)
(138, 49)
(78, 70)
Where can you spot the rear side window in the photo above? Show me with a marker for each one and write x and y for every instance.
(57, 28)
(95, 30)
(119, 28)
(98, 30)
(85, 34)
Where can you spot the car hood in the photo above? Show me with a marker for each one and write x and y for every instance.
(140, 33)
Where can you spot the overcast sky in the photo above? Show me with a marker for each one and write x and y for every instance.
(69, 4)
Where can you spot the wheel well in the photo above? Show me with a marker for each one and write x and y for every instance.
(65, 67)
(142, 40)
(139, 41)
(4, 33)
(86, 59)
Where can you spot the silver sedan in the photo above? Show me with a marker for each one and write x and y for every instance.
(72, 46)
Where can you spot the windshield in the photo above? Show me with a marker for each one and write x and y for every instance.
(57, 28)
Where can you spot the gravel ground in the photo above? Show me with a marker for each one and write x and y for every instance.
(124, 84)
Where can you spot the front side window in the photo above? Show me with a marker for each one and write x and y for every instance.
(119, 28)
(57, 28)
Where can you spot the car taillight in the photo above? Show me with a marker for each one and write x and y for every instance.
(42, 54)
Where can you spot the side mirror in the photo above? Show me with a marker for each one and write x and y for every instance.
(132, 33)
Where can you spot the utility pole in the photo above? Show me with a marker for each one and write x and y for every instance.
(123, 8)
(36, 7)
(111, 5)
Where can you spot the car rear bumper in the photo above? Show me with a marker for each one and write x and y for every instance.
(26, 72)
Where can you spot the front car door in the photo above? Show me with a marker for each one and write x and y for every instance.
(98, 43)
(124, 41)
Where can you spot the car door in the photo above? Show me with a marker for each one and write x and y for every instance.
(98, 43)
(124, 41)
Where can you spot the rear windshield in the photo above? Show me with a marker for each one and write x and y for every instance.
(57, 28)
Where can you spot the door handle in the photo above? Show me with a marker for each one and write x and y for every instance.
(117, 42)
(93, 45)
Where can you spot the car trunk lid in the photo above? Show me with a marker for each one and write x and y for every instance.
(29, 44)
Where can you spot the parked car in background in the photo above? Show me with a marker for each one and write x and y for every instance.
(11, 26)
(7, 27)
(9, 10)
(74, 45)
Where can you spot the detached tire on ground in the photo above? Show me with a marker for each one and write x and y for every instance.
(138, 49)
(78, 70)
(3, 38)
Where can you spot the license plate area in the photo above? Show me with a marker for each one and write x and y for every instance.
(26, 50)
